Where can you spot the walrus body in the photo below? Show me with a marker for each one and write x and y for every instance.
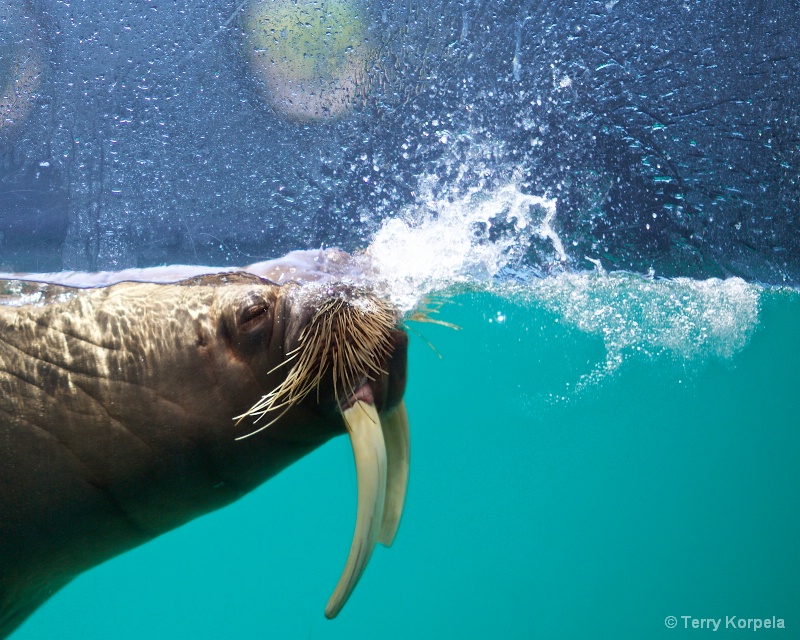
(117, 407)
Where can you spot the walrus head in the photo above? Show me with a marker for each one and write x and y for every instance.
(342, 353)
(155, 403)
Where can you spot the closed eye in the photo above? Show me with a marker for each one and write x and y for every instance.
(252, 316)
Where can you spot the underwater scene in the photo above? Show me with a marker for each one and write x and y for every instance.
(585, 217)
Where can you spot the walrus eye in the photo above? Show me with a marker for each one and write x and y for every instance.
(253, 315)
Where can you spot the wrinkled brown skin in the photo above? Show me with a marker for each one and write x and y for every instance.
(116, 409)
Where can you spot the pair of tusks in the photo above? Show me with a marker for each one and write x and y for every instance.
(381, 452)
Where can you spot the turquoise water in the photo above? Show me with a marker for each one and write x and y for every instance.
(590, 454)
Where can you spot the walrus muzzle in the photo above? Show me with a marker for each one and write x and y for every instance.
(348, 339)
(131, 408)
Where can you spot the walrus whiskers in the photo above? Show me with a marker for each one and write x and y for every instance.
(348, 335)
(350, 338)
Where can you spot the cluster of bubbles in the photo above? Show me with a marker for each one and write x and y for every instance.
(685, 318)
(477, 241)
(466, 240)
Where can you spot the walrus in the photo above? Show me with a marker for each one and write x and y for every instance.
(131, 408)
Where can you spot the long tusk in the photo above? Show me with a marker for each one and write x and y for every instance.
(369, 451)
(395, 434)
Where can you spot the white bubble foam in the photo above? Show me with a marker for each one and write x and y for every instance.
(445, 242)
(634, 314)
(469, 239)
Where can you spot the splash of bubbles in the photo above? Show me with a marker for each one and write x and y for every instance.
(692, 319)
(478, 240)
(461, 240)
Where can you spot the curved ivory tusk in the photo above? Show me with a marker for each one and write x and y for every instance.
(395, 435)
(369, 452)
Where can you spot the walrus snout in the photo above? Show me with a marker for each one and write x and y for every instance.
(344, 351)
(310, 347)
